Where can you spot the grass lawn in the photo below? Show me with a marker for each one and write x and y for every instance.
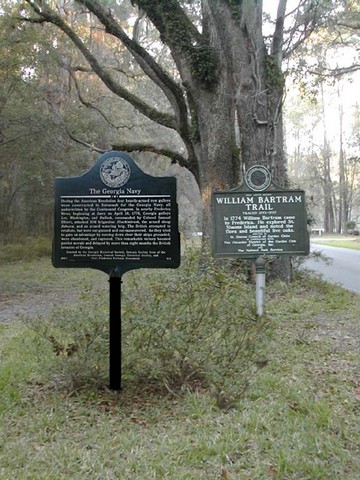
(343, 241)
(299, 419)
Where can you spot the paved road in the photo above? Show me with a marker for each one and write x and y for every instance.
(345, 267)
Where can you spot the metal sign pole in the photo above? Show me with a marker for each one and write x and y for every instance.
(115, 281)
(260, 285)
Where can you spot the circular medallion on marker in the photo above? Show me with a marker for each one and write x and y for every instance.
(258, 178)
(115, 172)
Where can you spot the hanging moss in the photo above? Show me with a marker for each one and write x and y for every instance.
(203, 64)
(274, 76)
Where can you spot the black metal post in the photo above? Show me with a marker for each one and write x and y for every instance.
(115, 281)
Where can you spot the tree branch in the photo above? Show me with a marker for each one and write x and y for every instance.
(160, 11)
(50, 16)
(71, 135)
(147, 63)
(81, 68)
(336, 72)
(152, 69)
(309, 23)
(140, 147)
(90, 105)
(278, 38)
(21, 135)
(136, 32)
(350, 26)
(173, 91)
(193, 56)
(83, 143)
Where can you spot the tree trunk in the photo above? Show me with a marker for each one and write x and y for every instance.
(250, 83)
(343, 190)
(235, 102)
(328, 188)
(228, 107)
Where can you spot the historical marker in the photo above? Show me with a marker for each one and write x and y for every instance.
(251, 221)
(257, 220)
(116, 218)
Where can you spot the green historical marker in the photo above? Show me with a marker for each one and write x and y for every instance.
(116, 216)
(259, 219)
(250, 221)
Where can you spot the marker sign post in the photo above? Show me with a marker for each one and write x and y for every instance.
(116, 218)
(259, 219)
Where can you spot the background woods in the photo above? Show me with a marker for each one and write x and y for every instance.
(190, 88)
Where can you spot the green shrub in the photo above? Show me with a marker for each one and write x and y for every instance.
(189, 328)
(195, 325)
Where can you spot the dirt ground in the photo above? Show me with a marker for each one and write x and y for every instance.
(32, 305)
(344, 332)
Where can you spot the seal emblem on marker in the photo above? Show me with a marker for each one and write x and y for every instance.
(115, 172)
(258, 178)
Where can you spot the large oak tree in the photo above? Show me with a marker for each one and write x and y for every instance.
(225, 99)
